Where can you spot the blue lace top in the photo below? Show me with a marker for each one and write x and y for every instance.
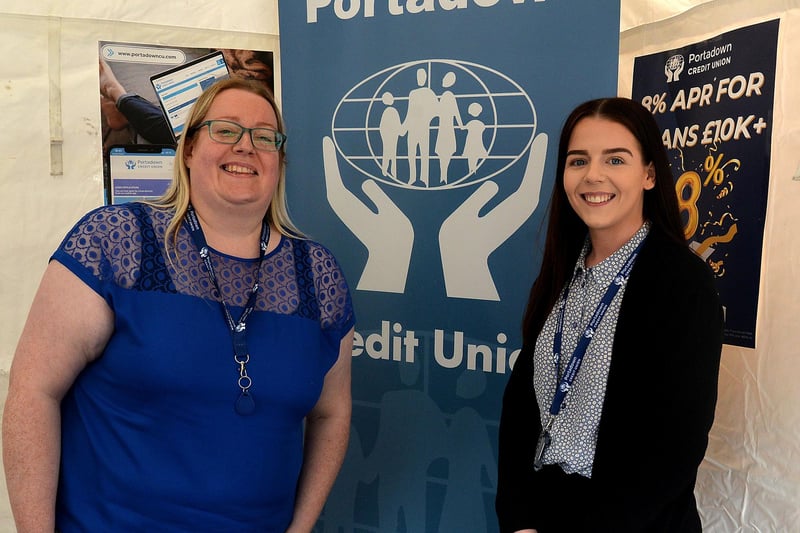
(150, 438)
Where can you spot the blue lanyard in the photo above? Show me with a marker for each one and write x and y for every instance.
(574, 364)
(565, 383)
(245, 404)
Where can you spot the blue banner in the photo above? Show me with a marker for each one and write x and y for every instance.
(422, 136)
(714, 101)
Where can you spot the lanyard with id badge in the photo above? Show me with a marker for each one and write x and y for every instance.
(574, 364)
(245, 404)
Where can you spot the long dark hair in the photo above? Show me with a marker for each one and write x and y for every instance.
(566, 231)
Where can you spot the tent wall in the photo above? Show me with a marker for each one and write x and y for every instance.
(50, 174)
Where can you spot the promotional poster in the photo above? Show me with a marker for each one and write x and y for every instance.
(421, 145)
(714, 101)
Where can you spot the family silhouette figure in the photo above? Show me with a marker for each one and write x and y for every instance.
(428, 114)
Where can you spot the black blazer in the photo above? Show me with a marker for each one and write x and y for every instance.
(658, 410)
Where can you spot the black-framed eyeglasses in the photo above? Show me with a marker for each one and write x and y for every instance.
(227, 132)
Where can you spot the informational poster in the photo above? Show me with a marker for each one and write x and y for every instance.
(421, 146)
(714, 101)
(146, 93)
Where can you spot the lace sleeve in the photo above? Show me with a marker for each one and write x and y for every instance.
(104, 248)
(326, 281)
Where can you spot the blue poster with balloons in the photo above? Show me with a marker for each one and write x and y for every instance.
(421, 142)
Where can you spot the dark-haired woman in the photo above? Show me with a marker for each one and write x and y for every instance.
(607, 412)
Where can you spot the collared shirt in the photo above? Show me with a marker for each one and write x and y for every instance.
(574, 431)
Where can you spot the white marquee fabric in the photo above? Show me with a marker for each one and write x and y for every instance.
(750, 480)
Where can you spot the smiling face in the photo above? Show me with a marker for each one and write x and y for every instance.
(605, 177)
(227, 176)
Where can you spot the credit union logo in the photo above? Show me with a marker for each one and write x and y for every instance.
(434, 125)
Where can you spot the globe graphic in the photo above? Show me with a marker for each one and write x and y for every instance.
(434, 124)
(675, 62)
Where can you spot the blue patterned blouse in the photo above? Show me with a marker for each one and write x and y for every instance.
(150, 438)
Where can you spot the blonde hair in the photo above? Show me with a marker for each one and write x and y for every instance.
(177, 195)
